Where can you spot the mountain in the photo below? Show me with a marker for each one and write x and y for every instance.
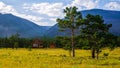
(10, 24)
(54, 31)
(110, 17)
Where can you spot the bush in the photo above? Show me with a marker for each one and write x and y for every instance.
(105, 54)
(16, 45)
(86, 47)
(29, 48)
(67, 47)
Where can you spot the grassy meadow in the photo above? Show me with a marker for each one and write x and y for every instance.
(57, 58)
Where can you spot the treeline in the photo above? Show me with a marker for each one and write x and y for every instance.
(15, 41)
(111, 41)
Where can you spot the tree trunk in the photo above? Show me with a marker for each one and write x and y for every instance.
(70, 53)
(97, 53)
(93, 52)
(72, 39)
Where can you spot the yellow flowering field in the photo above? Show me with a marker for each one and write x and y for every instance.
(57, 58)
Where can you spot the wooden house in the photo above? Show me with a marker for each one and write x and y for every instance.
(52, 45)
(37, 43)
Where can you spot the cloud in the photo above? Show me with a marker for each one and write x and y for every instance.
(55, 10)
(6, 8)
(49, 9)
(35, 19)
(53, 19)
(45, 13)
(113, 6)
(85, 4)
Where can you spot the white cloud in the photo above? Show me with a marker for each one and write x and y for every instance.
(53, 19)
(52, 10)
(55, 10)
(85, 4)
(6, 8)
(113, 6)
(9, 9)
(32, 18)
(48, 12)
(35, 19)
(49, 9)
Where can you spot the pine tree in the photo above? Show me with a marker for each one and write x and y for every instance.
(72, 21)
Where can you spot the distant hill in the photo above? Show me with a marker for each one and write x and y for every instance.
(112, 17)
(10, 24)
(54, 31)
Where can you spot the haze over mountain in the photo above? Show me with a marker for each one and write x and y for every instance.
(10, 24)
(112, 17)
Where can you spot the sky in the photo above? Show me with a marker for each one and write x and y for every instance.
(45, 12)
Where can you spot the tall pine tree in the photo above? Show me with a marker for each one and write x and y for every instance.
(72, 21)
(95, 31)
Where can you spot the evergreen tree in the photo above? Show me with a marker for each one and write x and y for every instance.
(95, 30)
(72, 21)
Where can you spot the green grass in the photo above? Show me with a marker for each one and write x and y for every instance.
(56, 58)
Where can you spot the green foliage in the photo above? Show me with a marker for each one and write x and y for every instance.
(72, 21)
(110, 41)
(16, 45)
(96, 31)
(47, 41)
(13, 39)
(24, 42)
(118, 41)
(29, 48)
(14, 42)
(59, 42)
(82, 42)
(63, 42)
(105, 54)
(72, 18)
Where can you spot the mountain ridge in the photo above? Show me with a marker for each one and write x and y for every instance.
(110, 17)
(11, 24)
